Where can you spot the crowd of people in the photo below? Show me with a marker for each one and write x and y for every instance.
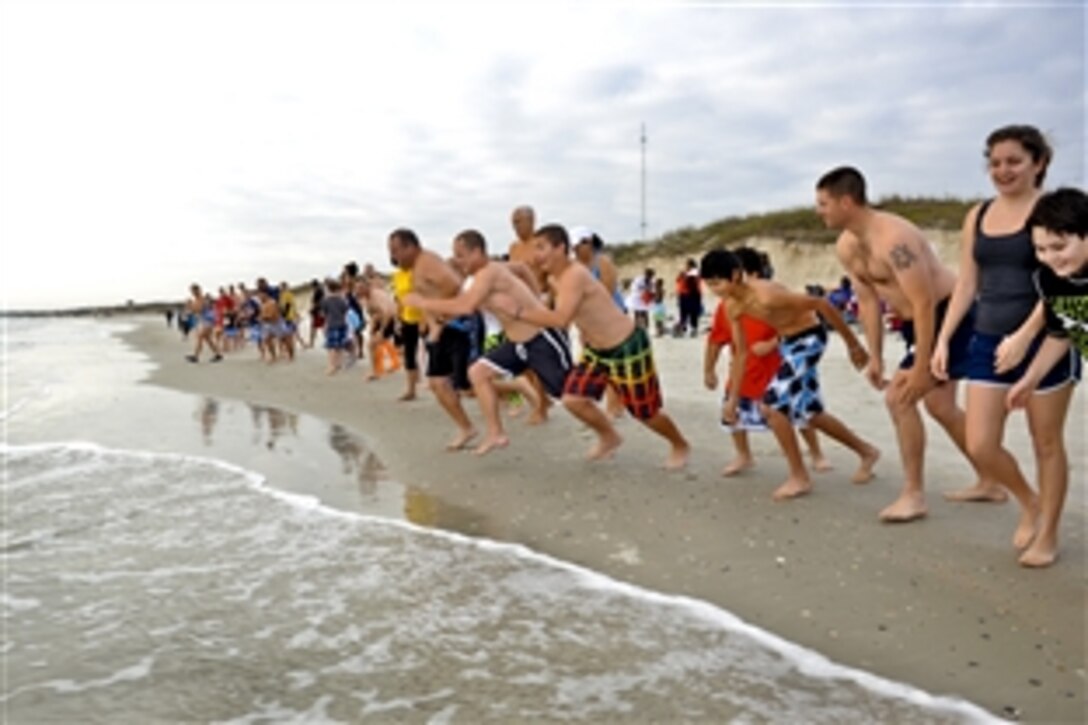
(1011, 322)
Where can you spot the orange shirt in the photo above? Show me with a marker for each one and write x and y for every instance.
(758, 370)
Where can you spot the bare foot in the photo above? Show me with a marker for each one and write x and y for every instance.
(372, 377)
(462, 439)
(792, 488)
(740, 463)
(605, 448)
(678, 458)
(330, 371)
(908, 507)
(865, 473)
(1040, 554)
(980, 492)
(1025, 528)
(515, 410)
(406, 397)
(820, 464)
(536, 418)
(490, 443)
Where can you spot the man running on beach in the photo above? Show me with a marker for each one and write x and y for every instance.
(381, 311)
(793, 395)
(450, 343)
(526, 347)
(889, 260)
(616, 353)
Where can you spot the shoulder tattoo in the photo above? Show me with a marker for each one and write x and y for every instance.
(902, 257)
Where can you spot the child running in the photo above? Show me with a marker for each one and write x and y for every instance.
(760, 369)
(793, 396)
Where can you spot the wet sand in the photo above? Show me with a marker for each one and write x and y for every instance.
(940, 604)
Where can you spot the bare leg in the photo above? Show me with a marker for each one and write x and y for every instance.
(613, 403)
(941, 406)
(744, 459)
(376, 367)
(663, 425)
(819, 460)
(587, 411)
(798, 483)
(413, 381)
(482, 376)
(911, 435)
(451, 402)
(1046, 421)
(540, 411)
(836, 429)
(986, 416)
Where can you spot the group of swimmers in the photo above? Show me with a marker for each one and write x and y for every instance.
(1013, 323)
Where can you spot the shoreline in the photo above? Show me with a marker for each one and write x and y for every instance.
(940, 604)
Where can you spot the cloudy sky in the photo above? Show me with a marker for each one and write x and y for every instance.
(144, 145)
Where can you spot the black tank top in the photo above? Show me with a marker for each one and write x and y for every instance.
(1006, 263)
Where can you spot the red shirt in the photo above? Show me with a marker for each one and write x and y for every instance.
(758, 369)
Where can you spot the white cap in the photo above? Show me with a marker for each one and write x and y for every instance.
(580, 234)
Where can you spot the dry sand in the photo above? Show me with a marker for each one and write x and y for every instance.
(940, 604)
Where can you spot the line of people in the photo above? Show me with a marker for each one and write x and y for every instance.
(1012, 323)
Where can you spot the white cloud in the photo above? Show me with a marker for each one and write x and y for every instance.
(148, 144)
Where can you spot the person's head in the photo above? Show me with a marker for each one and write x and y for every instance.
(470, 251)
(692, 264)
(523, 220)
(551, 247)
(403, 247)
(720, 270)
(1017, 158)
(361, 288)
(840, 193)
(586, 243)
(1059, 230)
(750, 261)
(351, 270)
(332, 284)
(649, 273)
(194, 290)
(845, 283)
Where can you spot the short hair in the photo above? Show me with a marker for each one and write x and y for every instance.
(472, 239)
(844, 181)
(333, 284)
(1064, 211)
(523, 209)
(1030, 138)
(750, 260)
(352, 269)
(405, 237)
(555, 234)
(719, 264)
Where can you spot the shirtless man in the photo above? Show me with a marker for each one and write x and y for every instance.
(616, 353)
(381, 311)
(792, 398)
(523, 219)
(527, 347)
(889, 260)
(449, 341)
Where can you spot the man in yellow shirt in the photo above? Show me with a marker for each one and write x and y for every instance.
(409, 318)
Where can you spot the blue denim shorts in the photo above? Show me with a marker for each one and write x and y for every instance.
(980, 364)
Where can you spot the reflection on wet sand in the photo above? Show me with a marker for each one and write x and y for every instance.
(302, 468)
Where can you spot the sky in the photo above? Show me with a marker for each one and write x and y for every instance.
(146, 145)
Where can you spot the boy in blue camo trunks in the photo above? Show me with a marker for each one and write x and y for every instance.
(793, 396)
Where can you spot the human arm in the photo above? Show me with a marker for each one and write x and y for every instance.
(608, 273)
(1050, 353)
(736, 367)
(1015, 345)
(871, 318)
(464, 303)
(916, 284)
(765, 347)
(963, 295)
(710, 363)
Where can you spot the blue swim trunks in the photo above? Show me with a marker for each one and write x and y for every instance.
(336, 338)
(795, 389)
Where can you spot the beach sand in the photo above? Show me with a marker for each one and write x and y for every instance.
(940, 604)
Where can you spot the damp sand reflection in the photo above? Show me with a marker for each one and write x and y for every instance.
(303, 455)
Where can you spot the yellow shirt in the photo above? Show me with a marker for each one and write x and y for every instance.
(288, 306)
(402, 285)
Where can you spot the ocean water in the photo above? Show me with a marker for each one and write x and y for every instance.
(159, 565)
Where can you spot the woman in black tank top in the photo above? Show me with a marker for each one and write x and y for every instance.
(996, 266)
